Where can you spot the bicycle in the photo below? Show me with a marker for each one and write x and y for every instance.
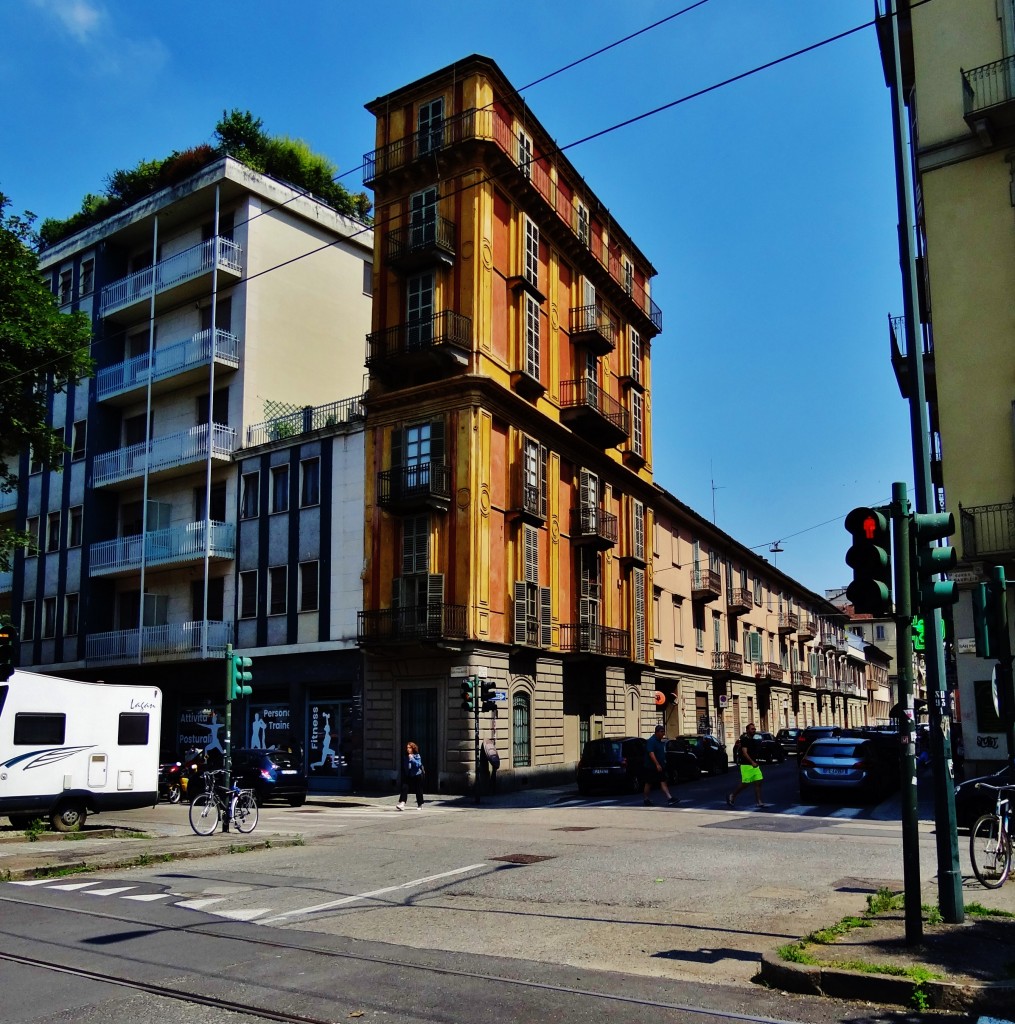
(990, 840)
(207, 809)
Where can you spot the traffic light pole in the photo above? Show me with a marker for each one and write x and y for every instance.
(949, 874)
(228, 758)
(475, 734)
(907, 719)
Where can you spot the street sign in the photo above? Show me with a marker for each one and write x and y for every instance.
(499, 695)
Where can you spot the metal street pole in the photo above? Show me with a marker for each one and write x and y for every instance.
(228, 759)
(939, 710)
(475, 716)
(907, 719)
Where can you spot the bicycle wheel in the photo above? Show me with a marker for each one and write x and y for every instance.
(245, 811)
(989, 851)
(204, 814)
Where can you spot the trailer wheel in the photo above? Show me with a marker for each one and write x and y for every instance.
(69, 817)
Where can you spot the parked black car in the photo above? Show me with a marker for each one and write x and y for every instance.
(813, 732)
(272, 775)
(971, 802)
(711, 754)
(850, 766)
(682, 762)
(787, 739)
(612, 765)
(769, 749)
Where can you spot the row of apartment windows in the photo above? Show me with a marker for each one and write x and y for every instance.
(308, 591)
(279, 494)
(86, 282)
(79, 434)
(41, 540)
(50, 625)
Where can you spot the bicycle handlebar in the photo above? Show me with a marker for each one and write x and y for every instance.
(1003, 788)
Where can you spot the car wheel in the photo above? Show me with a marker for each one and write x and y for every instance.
(298, 801)
(69, 817)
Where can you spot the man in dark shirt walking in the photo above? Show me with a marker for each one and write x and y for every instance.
(750, 773)
(655, 765)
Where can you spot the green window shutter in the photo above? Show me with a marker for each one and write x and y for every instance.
(518, 600)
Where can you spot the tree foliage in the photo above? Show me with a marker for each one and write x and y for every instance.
(40, 348)
(240, 135)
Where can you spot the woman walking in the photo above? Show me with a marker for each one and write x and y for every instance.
(412, 777)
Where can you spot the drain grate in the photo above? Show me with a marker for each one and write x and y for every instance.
(575, 828)
(522, 858)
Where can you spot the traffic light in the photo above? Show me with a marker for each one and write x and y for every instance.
(238, 676)
(990, 614)
(468, 694)
(486, 694)
(870, 592)
(931, 559)
(919, 628)
(7, 638)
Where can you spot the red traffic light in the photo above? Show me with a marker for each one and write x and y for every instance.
(870, 526)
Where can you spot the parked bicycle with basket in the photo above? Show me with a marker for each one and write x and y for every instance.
(990, 840)
(219, 803)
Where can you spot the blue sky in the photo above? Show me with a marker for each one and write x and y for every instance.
(766, 206)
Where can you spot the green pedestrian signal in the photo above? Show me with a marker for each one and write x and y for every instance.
(931, 559)
(468, 688)
(919, 633)
(870, 593)
(238, 675)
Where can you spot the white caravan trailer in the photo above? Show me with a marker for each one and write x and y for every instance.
(68, 748)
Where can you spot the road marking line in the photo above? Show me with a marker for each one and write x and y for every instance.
(201, 903)
(33, 881)
(109, 892)
(68, 886)
(369, 895)
(148, 897)
(242, 915)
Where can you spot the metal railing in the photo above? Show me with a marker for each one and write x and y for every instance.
(427, 480)
(740, 599)
(183, 640)
(163, 547)
(788, 622)
(770, 670)
(437, 235)
(593, 320)
(592, 521)
(586, 393)
(306, 420)
(990, 85)
(416, 623)
(727, 661)
(988, 529)
(706, 581)
(591, 638)
(432, 332)
(803, 679)
(169, 361)
(170, 272)
(163, 453)
(489, 125)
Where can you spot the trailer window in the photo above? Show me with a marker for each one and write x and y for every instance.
(31, 728)
(133, 729)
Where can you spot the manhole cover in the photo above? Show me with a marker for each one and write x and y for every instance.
(522, 858)
(575, 828)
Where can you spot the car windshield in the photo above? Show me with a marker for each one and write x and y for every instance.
(603, 751)
(850, 750)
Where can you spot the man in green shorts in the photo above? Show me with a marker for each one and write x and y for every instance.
(750, 773)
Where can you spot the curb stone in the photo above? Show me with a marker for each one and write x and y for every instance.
(809, 979)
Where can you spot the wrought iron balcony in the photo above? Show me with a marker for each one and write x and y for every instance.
(591, 412)
(770, 670)
(988, 531)
(829, 638)
(592, 526)
(531, 503)
(739, 601)
(706, 585)
(422, 245)
(824, 683)
(407, 488)
(176, 545)
(173, 366)
(804, 679)
(175, 641)
(727, 661)
(900, 357)
(593, 327)
(307, 420)
(425, 623)
(988, 96)
(437, 342)
(591, 638)
(164, 456)
(808, 628)
(173, 280)
(789, 622)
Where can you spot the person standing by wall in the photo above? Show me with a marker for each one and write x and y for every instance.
(655, 765)
(746, 753)
(412, 777)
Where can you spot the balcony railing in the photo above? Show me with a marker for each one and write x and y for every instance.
(740, 600)
(163, 454)
(591, 638)
(590, 410)
(176, 545)
(727, 661)
(706, 584)
(419, 244)
(6, 582)
(770, 670)
(591, 525)
(307, 420)
(170, 273)
(173, 641)
(803, 679)
(900, 356)
(988, 530)
(168, 362)
(823, 682)
(427, 484)
(808, 628)
(415, 624)
(593, 327)
(490, 125)
(988, 94)
(445, 331)
(789, 622)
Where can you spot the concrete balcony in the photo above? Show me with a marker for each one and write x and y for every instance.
(174, 641)
(727, 661)
(174, 366)
(770, 670)
(163, 457)
(177, 545)
(404, 489)
(706, 585)
(808, 628)
(988, 98)
(803, 679)
(789, 622)
(173, 281)
(740, 600)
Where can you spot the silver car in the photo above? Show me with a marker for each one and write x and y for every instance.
(845, 766)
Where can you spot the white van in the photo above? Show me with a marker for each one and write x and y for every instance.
(68, 748)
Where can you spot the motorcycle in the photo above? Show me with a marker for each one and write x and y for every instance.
(171, 782)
